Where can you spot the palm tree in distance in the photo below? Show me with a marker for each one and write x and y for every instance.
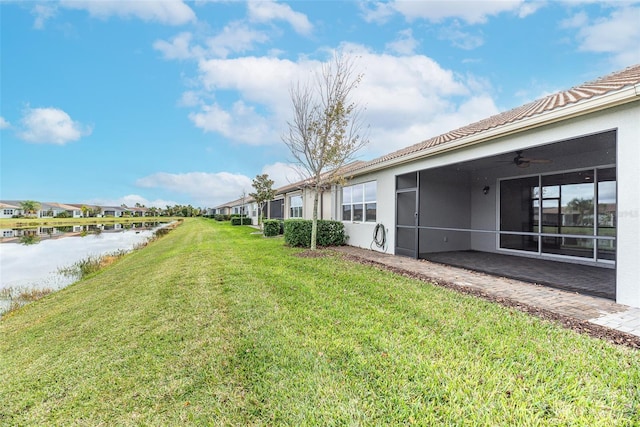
(30, 207)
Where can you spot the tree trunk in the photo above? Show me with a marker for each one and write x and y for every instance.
(314, 222)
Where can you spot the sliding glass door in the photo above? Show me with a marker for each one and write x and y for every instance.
(568, 214)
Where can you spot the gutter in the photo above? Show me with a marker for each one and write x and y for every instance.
(614, 99)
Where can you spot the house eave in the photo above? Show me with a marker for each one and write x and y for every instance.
(610, 100)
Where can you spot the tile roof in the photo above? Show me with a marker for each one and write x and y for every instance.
(613, 82)
(344, 170)
(9, 205)
(55, 205)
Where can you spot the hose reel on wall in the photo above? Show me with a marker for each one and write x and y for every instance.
(379, 237)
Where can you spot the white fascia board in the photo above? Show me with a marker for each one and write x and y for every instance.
(614, 99)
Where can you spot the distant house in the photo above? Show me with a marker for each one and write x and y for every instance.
(8, 209)
(139, 211)
(52, 210)
(224, 209)
(92, 210)
(217, 211)
(114, 211)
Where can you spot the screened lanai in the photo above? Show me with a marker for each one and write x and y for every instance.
(553, 202)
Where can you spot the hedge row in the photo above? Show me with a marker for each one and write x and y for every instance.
(297, 232)
(241, 221)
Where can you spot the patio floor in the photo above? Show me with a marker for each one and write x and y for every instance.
(589, 280)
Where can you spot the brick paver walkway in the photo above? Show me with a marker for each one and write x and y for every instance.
(599, 311)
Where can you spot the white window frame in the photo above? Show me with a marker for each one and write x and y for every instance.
(356, 198)
(295, 210)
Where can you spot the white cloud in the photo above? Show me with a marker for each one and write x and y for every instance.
(51, 126)
(266, 11)
(578, 20)
(470, 11)
(406, 98)
(405, 44)
(42, 12)
(460, 38)
(189, 99)
(170, 12)
(618, 34)
(178, 48)
(4, 124)
(241, 123)
(207, 189)
(529, 8)
(235, 37)
(282, 173)
(378, 12)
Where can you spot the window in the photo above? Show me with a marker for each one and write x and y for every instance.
(295, 207)
(359, 202)
(8, 212)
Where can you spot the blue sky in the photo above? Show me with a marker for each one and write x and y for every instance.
(176, 102)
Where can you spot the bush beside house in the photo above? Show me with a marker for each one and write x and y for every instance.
(273, 227)
(297, 232)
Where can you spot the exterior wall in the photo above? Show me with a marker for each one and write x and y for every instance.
(361, 233)
(628, 240)
(625, 119)
(305, 203)
(444, 202)
(10, 212)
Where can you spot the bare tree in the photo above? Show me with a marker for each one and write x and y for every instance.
(263, 193)
(326, 130)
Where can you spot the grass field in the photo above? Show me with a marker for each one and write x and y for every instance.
(213, 325)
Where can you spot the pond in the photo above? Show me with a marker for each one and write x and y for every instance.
(30, 259)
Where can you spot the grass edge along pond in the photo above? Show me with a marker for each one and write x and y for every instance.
(214, 325)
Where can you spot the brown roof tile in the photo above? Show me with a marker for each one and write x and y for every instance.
(610, 83)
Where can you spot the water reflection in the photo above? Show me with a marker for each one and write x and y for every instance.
(34, 235)
(30, 259)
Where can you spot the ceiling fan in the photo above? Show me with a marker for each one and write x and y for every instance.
(523, 162)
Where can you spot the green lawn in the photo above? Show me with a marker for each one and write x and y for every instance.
(213, 325)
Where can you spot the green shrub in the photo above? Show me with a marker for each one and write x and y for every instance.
(241, 221)
(222, 217)
(63, 214)
(273, 227)
(297, 232)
